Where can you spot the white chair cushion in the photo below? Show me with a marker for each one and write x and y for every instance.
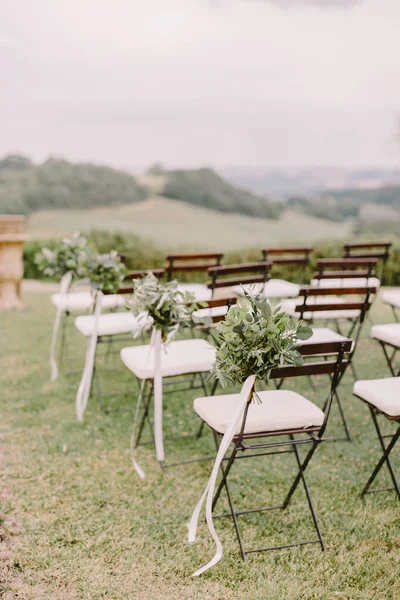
(83, 301)
(289, 306)
(199, 290)
(347, 283)
(390, 333)
(214, 311)
(108, 324)
(179, 358)
(274, 288)
(382, 393)
(279, 410)
(324, 334)
(391, 297)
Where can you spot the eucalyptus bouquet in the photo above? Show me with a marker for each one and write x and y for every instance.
(254, 339)
(70, 255)
(106, 272)
(160, 305)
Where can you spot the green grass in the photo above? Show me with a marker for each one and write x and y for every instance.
(77, 523)
(174, 224)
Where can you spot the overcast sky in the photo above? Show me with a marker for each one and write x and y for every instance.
(202, 82)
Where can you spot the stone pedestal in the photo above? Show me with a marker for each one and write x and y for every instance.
(11, 265)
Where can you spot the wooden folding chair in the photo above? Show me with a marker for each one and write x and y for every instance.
(249, 276)
(383, 399)
(287, 417)
(198, 262)
(378, 250)
(345, 272)
(107, 328)
(298, 258)
(328, 305)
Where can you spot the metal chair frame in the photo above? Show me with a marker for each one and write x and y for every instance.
(386, 449)
(311, 435)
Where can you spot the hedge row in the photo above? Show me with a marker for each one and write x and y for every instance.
(144, 254)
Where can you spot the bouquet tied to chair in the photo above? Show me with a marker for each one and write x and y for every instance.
(250, 342)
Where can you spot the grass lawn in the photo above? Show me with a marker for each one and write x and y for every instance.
(77, 523)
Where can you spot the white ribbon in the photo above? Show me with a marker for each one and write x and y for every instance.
(82, 395)
(61, 308)
(237, 416)
(155, 345)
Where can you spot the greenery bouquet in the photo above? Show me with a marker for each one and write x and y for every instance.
(71, 255)
(254, 339)
(106, 272)
(160, 305)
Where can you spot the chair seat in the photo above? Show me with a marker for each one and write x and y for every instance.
(389, 334)
(289, 306)
(278, 410)
(274, 288)
(179, 358)
(391, 297)
(347, 283)
(83, 301)
(384, 394)
(199, 290)
(214, 311)
(108, 324)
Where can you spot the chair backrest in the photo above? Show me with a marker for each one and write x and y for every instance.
(334, 366)
(191, 262)
(298, 257)
(138, 274)
(334, 299)
(378, 250)
(215, 317)
(232, 275)
(345, 268)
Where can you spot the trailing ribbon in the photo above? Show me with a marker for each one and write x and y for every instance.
(82, 395)
(155, 345)
(237, 416)
(61, 308)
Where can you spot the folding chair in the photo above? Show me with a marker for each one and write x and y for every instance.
(383, 398)
(235, 278)
(107, 328)
(378, 250)
(388, 336)
(287, 417)
(193, 263)
(73, 303)
(328, 305)
(345, 272)
(297, 259)
(392, 298)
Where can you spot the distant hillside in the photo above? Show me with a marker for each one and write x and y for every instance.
(337, 206)
(203, 187)
(26, 187)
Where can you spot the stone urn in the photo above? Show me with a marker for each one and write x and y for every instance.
(11, 265)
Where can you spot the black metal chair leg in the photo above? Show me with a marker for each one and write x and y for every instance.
(298, 477)
(224, 483)
(388, 359)
(385, 457)
(344, 422)
(307, 491)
